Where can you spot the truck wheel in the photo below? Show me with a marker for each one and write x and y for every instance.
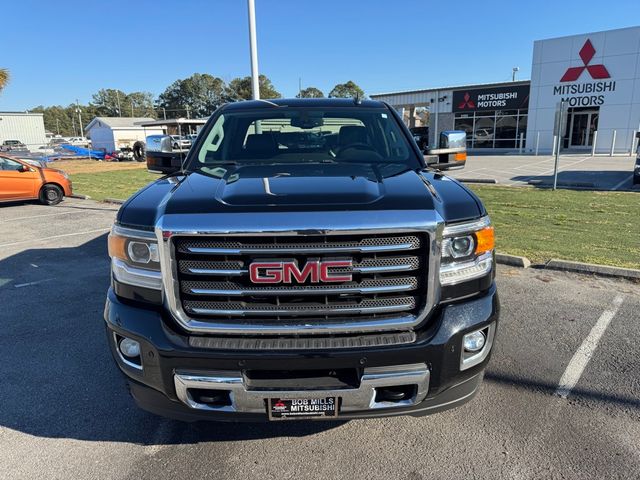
(139, 151)
(51, 195)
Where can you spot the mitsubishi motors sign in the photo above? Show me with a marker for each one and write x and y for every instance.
(596, 76)
(587, 93)
(511, 97)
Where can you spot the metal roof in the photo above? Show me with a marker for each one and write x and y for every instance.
(173, 121)
(119, 122)
(454, 87)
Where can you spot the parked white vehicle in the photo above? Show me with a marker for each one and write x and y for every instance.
(180, 142)
(80, 142)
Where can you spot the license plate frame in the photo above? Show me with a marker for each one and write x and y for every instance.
(283, 408)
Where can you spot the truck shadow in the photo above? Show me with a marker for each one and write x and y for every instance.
(58, 378)
(582, 179)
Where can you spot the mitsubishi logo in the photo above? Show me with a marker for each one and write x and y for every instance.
(596, 71)
(467, 103)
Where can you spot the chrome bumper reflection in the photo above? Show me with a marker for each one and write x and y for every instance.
(352, 399)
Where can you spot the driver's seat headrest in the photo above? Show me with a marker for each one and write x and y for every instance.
(261, 143)
(350, 134)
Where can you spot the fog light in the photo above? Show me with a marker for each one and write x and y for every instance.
(129, 348)
(473, 342)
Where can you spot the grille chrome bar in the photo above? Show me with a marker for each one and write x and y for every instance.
(297, 250)
(293, 313)
(391, 285)
(220, 272)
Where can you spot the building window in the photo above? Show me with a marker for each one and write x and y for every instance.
(493, 129)
(464, 121)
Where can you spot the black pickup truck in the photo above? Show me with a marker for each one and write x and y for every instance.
(302, 261)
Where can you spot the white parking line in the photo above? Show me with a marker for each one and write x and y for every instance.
(36, 240)
(40, 216)
(582, 356)
(20, 285)
(622, 182)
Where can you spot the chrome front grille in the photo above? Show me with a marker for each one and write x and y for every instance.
(388, 287)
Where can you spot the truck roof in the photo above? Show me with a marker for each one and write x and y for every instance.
(303, 102)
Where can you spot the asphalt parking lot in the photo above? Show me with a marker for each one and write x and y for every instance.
(575, 171)
(65, 413)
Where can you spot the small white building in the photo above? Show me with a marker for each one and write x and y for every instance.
(25, 127)
(112, 133)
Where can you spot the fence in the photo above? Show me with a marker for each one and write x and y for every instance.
(545, 142)
(51, 152)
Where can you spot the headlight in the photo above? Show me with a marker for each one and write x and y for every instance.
(467, 251)
(134, 257)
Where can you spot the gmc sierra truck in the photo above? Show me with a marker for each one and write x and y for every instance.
(302, 261)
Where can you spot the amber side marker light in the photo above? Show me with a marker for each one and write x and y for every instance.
(117, 247)
(485, 240)
(461, 156)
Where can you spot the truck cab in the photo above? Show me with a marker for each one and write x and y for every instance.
(302, 261)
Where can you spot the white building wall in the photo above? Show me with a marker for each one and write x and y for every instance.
(101, 138)
(112, 139)
(26, 127)
(619, 110)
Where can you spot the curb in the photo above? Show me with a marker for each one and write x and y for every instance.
(513, 260)
(477, 180)
(568, 266)
(117, 201)
(81, 197)
(544, 183)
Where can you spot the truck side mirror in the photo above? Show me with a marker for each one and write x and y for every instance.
(451, 152)
(160, 155)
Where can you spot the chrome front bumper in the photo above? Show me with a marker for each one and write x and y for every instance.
(362, 398)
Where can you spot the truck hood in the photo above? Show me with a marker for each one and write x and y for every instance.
(299, 188)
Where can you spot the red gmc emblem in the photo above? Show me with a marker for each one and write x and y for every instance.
(288, 271)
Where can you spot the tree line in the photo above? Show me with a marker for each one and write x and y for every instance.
(194, 97)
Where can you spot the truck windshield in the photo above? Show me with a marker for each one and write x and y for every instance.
(287, 135)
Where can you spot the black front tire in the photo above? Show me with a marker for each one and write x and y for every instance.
(51, 195)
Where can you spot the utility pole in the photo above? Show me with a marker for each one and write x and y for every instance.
(132, 115)
(300, 87)
(253, 46)
(188, 116)
(79, 118)
(164, 113)
(514, 70)
(58, 125)
(118, 101)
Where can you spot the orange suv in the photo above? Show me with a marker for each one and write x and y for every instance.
(20, 180)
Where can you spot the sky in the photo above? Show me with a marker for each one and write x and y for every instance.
(61, 51)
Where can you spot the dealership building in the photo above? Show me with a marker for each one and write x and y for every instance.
(584, 87)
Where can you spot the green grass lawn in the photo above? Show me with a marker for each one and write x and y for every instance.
(596, 227)
(119, 184)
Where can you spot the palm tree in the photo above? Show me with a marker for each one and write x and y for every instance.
(4, 78)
